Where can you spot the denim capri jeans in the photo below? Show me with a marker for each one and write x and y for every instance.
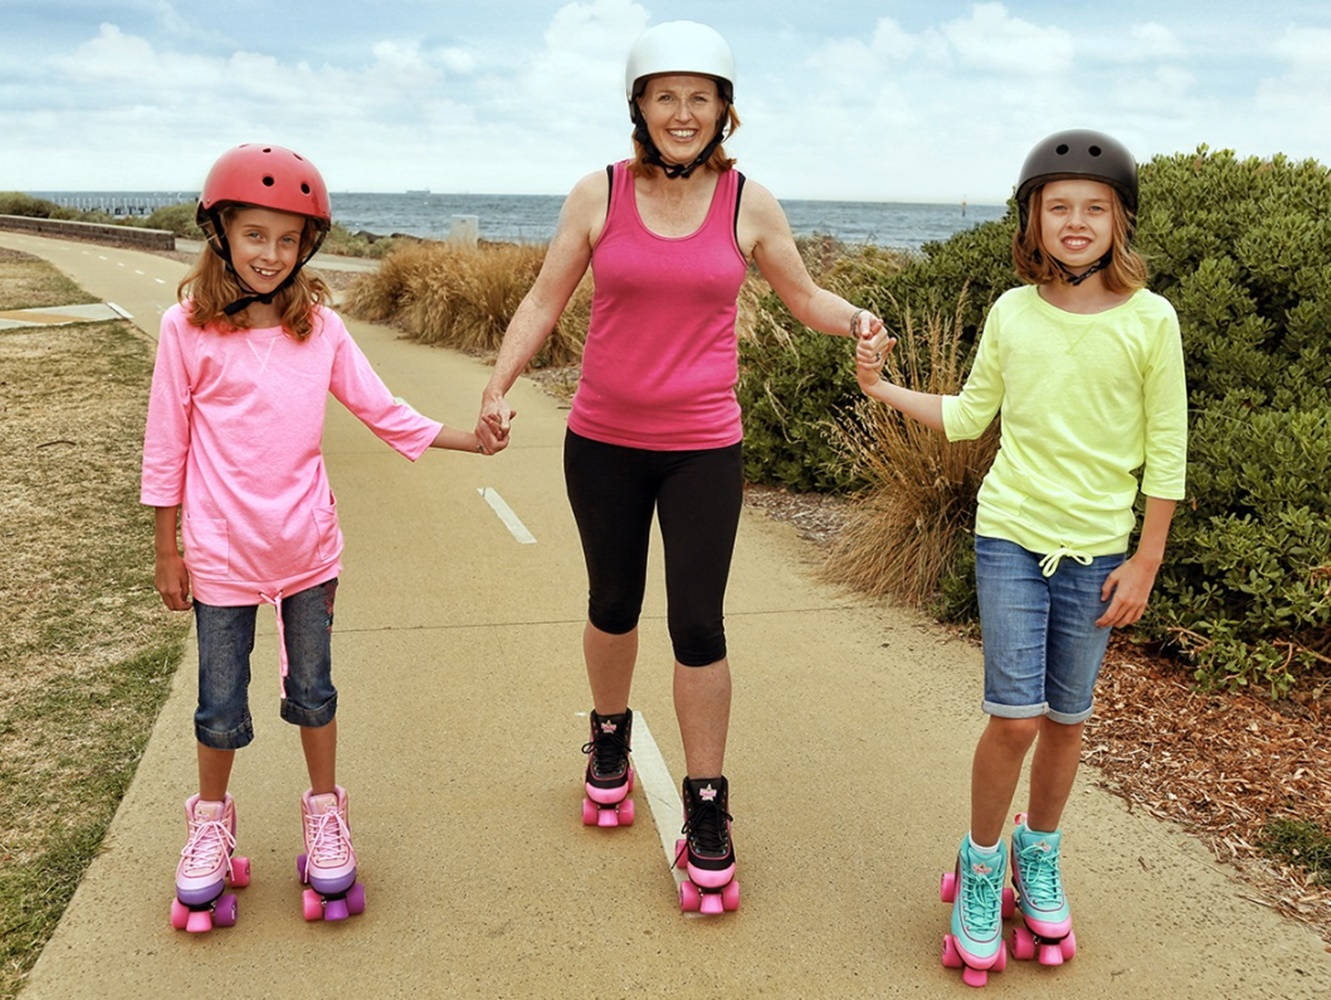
(226, 639)
(1042, 649)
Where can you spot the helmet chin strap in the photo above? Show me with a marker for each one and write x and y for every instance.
(653, 155)
(220, 246)
(1074, 279)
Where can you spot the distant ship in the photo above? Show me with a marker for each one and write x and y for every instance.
(418, 191)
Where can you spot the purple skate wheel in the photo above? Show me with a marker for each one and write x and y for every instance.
(356, 898)
(589, 812)
(179, 914)
(951, 957)
(300, 867)
(312, 905)
(947, 888)
(626, 813)
(336, 909)
(240, 872)
(226, 911)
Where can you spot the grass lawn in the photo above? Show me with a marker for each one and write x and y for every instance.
(87, 651)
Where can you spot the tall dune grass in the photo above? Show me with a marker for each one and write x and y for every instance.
(908, 529)
(463, 298)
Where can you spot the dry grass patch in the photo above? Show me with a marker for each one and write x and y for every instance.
(27, 282)
(463, 298)
(904, 532)
(88, 650)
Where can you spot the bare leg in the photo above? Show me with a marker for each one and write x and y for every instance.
(214, 772)
(995, 772)
(702, 705)
(1057, 755)
(320, 746)
(610, 660)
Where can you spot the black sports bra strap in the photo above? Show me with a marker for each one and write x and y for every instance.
(739, 193)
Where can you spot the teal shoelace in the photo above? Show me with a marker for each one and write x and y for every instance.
(982, 900)
(1039, 873)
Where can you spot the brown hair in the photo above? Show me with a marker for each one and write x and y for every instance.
(210, 287)
(1126, 271)
(718, 161)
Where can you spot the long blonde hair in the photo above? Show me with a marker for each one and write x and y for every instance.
(1126, 271)
(211, 286)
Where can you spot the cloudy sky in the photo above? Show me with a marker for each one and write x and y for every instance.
(886, 100)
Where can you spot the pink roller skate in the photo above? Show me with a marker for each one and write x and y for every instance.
(706, 848)
(328, 865)
(207, 866)
(609, 777)
(1045, 930)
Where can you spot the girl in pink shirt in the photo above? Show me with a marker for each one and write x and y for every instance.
(232, 455)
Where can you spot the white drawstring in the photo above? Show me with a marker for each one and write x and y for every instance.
(1049, 564)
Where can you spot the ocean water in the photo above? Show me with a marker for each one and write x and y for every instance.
(532, 218)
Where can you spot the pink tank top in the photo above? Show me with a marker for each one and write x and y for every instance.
(661, 359)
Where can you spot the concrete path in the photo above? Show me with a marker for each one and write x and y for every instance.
(457, 653)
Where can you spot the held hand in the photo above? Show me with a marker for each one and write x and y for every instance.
(871, 353)
(1130, 584)
(171, 579)
(493, 424)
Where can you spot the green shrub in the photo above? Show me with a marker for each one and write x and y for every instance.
(1241, 249)
(177, 218)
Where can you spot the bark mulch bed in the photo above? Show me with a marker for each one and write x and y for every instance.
(1221, 765)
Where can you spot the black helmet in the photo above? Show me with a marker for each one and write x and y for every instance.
(1079, 152)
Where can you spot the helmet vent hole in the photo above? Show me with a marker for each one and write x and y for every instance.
(1095, 150)
(304, 188)
(268, 149)
(1061, 149)
(268, 181)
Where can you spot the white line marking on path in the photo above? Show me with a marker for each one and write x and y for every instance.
(119, 310)
(137, 271)
(100, 257)
(505, 512)
(659, 789)
(159, 281)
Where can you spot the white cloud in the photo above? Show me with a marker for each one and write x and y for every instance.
(992, 40)
(1153, 40)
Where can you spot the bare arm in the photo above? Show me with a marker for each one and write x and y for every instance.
(170, 576)
(1131, 583)
(925, 407)
(566, 261)
(765, 235)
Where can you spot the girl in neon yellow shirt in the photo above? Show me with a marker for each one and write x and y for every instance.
(1086, 368)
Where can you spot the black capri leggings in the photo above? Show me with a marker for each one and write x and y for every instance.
(697, 495)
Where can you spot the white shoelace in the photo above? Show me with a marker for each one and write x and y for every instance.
(206, 840)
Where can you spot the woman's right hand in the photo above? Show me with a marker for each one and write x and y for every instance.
(871, 351)
(171, 579)
(493, 424)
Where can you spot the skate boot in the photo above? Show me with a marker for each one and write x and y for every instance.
(328, 865)
(706, 850)
(975, 887)
(1046, 927)
(207, 866)
(609, 777)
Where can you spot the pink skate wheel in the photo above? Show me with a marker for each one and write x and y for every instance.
(1050, 954)
(951, 958)
(226, 911)
(947, 888)
(607, 817)
(1068, 945)
(312, 906)
(730, 895)
(240, 872)
(1009, 902)
(589, 812)
(199, 922)
(974, 977)
(1023, 943)
(1000, 960)
(690, 899)
(336, 909)
(711, 903)
(300, 867)
(356, 899)
(179, 914)
(626, 813)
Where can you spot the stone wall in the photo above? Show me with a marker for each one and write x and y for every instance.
(96, 232)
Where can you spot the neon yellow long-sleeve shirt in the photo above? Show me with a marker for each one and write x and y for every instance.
(1086, 401)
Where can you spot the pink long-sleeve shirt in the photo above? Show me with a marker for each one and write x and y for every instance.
(234, 435)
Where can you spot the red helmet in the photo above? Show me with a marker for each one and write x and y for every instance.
(267, 177)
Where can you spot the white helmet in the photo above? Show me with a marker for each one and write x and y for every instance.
(681, 47)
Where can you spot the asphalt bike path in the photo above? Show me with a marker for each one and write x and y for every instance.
(457, 653)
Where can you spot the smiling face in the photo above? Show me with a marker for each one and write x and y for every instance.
(265, 245)
(681, 113)
(1076, 221)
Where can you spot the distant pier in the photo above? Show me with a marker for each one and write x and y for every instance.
(120, 205)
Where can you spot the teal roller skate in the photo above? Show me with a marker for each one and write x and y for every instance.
(975, 943)
(1046, 928)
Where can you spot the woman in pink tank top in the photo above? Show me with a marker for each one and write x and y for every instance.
(655, 424)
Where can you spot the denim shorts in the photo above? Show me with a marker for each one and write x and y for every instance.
(226, 639)
(1042, 649)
